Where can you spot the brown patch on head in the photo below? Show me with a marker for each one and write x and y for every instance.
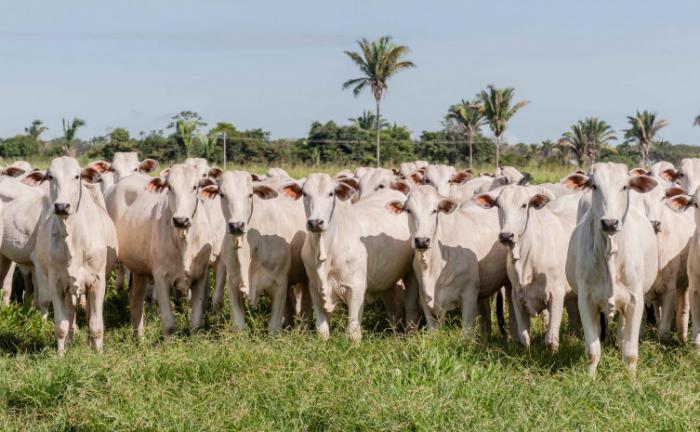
(461, 177)
(34, 178)
(538, 201)
(675, 190)
(350, 181)
(447, 206)
(147, 166)
(582, 172)
(486, 174)
(634, 172)
(209, 192)
(101, 166)
(264, 192)
(215, 173)
(395, 206)
(344, 191)
(91, 175)
(669, 174)
(417, 177)
(680, 203)
(485, 200)
(576, 181)
(642, 183)
(255, 177)
(396, 171)
(157, 184)
(401, 186)
(12, 171)
(291, 190)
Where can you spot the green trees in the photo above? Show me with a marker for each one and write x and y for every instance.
(70, 129)
(586, 138)
(35, 129)
(498, 108)
(378, 61)
(367, 121)
(643, 129)
(470, 118)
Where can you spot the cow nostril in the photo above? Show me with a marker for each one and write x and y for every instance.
(422, 242)
(506, 237)
(314, 225)
(236, 228)
(609, 224)
(657, 226)
(181, 222)
(61, 208)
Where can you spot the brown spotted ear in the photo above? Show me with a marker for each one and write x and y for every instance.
(417, 177)
(582, 172)
(642, 183)
(206, 182)
(255, 177)
(422, 169)
(681, 203)
(447, 206)
(264, 192)
(576, 181)
(675, 190)
(486, 174)
(461, 177)
(101, 166)
(350, 181)
(634, 172)
(485, 200)
(401, 186)
(12, 171)
(157, 185)
(147, 166)
(291, 190)
(209, 192)
(91, 175)
(344, 191)
(525, 180)
(34, 178)
(395, 171)
(669, 174)
(395, 207)
(215, 173)
(538, 201)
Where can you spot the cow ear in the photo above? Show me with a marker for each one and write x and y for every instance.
(206, 182)
(396, 207)
(209, 192)
(417, 177)
(264, 192)
(576, 181)
(215, 173)
(525, 180)
(350, 181)
(634, 172)
(669, 174)
(395, 171)
(401, 186)
(461, 177)
(91, 175)
(485, 200)
(675, 190)
(147, 166)
(642, 183)
(486, 174)
(447, 206)
(344, 191)
(255, 177)
(101, 166)
(12, 171)
(681, 203)
(157, 184)
(34, 178)
(291, 190)
(538, 201)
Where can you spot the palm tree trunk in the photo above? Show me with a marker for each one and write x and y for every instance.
(379, 123)
(470, 142)
(498, 150)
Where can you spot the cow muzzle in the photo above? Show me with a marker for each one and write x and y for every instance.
(61, 209)
(656, 225)
(236, 228)
(182, 222)
(609, 225)
(422, 243)
(316, 225)
(506, 238)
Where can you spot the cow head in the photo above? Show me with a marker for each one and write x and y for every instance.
(65, 188)
(684, 202)
(439, 177)
(423, 205)
(238, 192)
(610, 186)
(200, 165)
(373, 180)
(321, 195)
(125, 164)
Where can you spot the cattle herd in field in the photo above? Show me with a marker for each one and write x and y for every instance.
(424, 239)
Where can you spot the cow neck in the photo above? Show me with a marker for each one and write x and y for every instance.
(605, 249)
(323, 238)
(522, 249)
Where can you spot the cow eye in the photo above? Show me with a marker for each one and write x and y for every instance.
(523, 206)
(434, 211)
(408, 211)
(77, 177)
(222, 195)
(681, 175)
(594, 187)
(624, 188)
(250, 196)
(381, 186)
(49, 177)
(303, 194)
(330, 194)
(136, 169)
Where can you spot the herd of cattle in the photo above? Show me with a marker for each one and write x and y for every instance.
(424, 239)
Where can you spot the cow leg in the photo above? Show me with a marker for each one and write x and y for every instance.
(572, 312)
(29, 290)
(120, 277)
(167, 319)
(668, 309)
(356, 304)
(43, 292)
(682, 314)
(485, 312)
(694, 300)
(591, 332)
(62, 324)
(96, 297)
(306, 304)
(235, 299)
(198, 302)
(633, 321)
(556, 311)
(220, 285)
(322, 318)
(6, 271)
(412, 305)
(137, 294)
(522, 317)
(512, 322)
(279, 298)
(470, 301)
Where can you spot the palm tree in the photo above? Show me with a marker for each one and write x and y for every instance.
(643, 129)
(586, 138)
(378, 61)
(208, 143)
(547, 149)
(470, 118)
(35, 129)
(186, 130)
(498, 108)
(70, 129)
(366, 121)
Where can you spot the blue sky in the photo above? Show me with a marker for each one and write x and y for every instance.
(280, 65)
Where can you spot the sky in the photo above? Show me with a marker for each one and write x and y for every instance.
(279, 65)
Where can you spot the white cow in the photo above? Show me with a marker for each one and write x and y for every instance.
(353, 252)
(76, 248)
(165, 234)
(262, 251)
(536, 228)
(457, 259)
(125, 164)
(613, 257)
